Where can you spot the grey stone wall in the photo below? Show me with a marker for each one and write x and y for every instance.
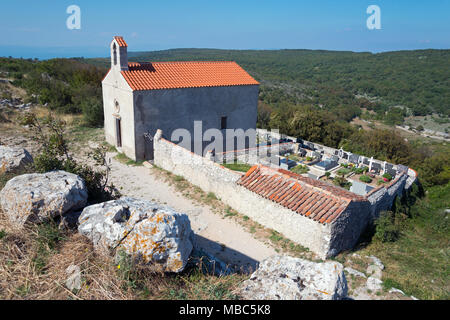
(382, 198)
(179, 108)
(323, 239)
(348, 227)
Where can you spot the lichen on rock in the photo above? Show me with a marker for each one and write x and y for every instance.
(38, 197)
(151, 233)
(288, 278)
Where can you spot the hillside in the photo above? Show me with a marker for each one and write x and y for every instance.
(414, 79)
(416, 252)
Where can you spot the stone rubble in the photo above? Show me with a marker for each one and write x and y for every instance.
(288, 278)
(377, 262)
(374, 284)
(13, 158)
(374, 271)
(355, 272)
(73, 281)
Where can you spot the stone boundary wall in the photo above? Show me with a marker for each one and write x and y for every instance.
(212, 177)
(324, 239)
(262, 132)
(412, 176)
(383, 197)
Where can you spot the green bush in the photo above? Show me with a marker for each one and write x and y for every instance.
(300, 169)
(365, 179)
(54, 155)
(342, 182)
(92, 110)
(386, 230)
(358, 170)
(387, 176)
(343, 172)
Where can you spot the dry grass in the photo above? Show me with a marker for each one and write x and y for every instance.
(33, 263)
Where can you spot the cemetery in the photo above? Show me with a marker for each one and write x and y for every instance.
(356, 173)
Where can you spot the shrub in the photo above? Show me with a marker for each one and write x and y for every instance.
(387, 176)
(211, 196)
(92, 110)
(54, 155)
(300, 169)
(365, 179)
(386, 230)
(343, 172)
(357, 170)
(342, 182)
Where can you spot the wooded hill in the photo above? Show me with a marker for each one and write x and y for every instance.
(416, 79)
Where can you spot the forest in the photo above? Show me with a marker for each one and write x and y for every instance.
(414, 79)
(64, 85)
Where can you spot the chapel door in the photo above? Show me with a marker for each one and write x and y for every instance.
(118, 133)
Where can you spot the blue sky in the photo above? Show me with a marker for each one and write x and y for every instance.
(38, 28)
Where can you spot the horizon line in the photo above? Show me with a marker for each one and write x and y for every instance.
(54, 55)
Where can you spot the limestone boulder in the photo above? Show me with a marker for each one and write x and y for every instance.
(152, 233)
(376, 262)
(288, 278)
(13, 158)
(374, 284)
(38, 197)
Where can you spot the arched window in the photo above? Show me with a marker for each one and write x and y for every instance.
(116, 107)
(115, 54)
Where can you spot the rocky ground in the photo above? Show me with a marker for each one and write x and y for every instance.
(214, 233)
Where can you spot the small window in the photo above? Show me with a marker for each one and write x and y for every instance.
(115, 54)
(118, 133)
(223, 123)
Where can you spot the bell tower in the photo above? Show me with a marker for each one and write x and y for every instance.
(119, 54)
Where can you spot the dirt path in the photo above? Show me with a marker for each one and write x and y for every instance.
(216, 235)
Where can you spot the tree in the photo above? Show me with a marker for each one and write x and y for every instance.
(54, 154)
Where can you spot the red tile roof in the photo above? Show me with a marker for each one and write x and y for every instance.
(311, 198)
(186, 74)
(120, 41)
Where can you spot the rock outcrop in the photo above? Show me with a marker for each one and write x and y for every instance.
(288, 278)
(152, 233)
(13, 158)
(38, 197)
